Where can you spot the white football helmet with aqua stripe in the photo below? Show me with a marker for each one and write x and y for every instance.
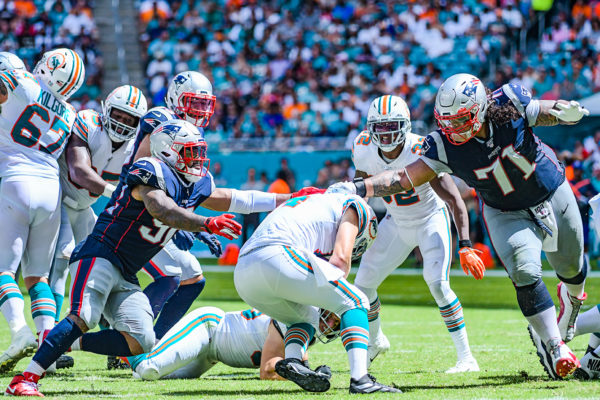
(388, 122)
(10, 62)
(130, 100)
(62, 71)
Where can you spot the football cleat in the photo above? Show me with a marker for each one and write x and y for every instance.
(380, 345)
(23, 345)
(368, 384)
(24, 385)
(590, 367)
(294, 370)
(113, 362)
(467, 365)
(556, 358)
(64, 361)
(569, 309)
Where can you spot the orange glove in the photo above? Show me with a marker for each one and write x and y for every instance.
(471, 262)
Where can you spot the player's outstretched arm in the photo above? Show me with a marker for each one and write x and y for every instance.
(242, 201)
(391, 182)
(560, 112)
(344, 241)
(273, 350)
(80, 168)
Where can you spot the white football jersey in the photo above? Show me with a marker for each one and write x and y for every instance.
(34, 127)
(106, 162)
(240, 337)
(309, 222)
(413, 205)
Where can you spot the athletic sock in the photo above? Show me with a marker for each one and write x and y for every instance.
(297, 338)
(355, 338)
(58, 299)
(537, 306)
(159, 291)
(594, 341)
(575, 285)
(12, 304)
(176, 307)
(109, 342)
(43, 307)
(374, 320)
(452, 314)
(588, 322)
(58, 341)
(545, 324)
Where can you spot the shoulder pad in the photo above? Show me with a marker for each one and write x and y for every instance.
(146, 171)
(9, 79)
(518, 95)
(153, 118)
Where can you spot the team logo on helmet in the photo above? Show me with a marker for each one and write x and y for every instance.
(179, 80)
(55, 62)
(470, 89)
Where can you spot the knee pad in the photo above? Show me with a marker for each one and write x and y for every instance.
(441, 292)
(526, 274)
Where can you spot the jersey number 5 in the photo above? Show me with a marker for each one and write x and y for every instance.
(499, 173)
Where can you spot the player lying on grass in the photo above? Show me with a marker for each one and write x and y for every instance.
(156, 200)
(239, 339)
(282, 272)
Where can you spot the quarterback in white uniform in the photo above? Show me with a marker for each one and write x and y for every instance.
(91, 163)
(282, 272)
(35, 123)
(415, 218)
(207, 335)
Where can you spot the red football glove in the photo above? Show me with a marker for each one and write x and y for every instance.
(306, 191)
(223, 225)
(471, 262)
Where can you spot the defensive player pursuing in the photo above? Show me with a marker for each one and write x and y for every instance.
(281, 273)
(488, 141)
(207, 336)
(35, 121)
(154, 202)
(417, 217)
(89, 167)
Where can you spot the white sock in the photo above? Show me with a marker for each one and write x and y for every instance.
(12, 309)
(43, 323)
(76, 345)
(575, 290)
(461, 342)
(294, 350)
(35, 368)
(358, 362)
(545, 324)
(588, 322)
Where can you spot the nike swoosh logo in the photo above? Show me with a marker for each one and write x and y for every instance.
(11, 390)
(565, 210)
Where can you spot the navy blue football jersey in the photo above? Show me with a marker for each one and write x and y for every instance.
(125, 233)
(510, 170)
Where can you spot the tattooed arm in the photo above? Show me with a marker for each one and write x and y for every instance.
(361, 174)
(391, 182)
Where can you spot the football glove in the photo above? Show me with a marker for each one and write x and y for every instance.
(342, 187)
(471, 262)
(306, 191)
(569, 113)
(212, 242)
(223, 225)
(183, 240)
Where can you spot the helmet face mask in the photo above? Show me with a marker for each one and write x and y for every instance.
(191, 158)
(388, 122)
(196, 108)
(122, 111)
(329, 326)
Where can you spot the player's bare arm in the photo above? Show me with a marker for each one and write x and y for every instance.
(273, 350)
(221, 200)
(554, 112)
(164, 209)
(344, 241)
(80, 168)
(391, 182)
(361, 174)
(445, 187)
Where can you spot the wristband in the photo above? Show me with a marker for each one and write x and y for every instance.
(361, 188)
(108, 190)
(464, 243)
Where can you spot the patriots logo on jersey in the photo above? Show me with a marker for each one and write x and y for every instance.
(425, 146)
(142, 174)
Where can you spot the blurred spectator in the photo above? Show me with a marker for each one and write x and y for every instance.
(280, 185)
(217, 174)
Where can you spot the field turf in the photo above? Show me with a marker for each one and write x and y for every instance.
(421, 351)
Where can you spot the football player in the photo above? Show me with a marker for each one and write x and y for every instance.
(35, 120)
(487, 140)
(417, 217)
(156, 200)
(283, 273)
(239, 339)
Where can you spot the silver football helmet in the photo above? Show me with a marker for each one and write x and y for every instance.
(181, 146)
(62, 71)
(460, 107)
(10, 62)
(129, 100)
(367, 224)
(190, 96)
(388, 122)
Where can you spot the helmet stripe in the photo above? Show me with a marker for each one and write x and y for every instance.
(384, 108)
(77, 62)
(136, 100)
(379, 104)
(61, 91)
(389, 104)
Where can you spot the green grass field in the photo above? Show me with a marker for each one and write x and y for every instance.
(421, 351)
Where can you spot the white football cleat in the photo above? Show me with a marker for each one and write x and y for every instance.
(467, 365)
(569, 309)
(380, 345)
(555, 356)
(590, 367)
(23, 345)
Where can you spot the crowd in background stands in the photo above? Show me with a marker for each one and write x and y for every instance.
(310, 68)
(29, 28)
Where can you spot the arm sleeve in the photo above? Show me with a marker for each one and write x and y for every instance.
(249, 201)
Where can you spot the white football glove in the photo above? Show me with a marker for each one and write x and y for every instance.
(342, 187)
(571, 112)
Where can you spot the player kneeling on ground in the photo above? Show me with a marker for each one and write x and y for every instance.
(282, 273)
(207, 336)
(151, 206)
